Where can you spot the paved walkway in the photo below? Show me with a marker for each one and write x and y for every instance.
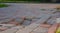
(18, 10)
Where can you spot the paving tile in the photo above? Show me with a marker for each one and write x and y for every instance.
(33, 26)
(40, 30)
(44, 19)
(12, 30)
(28, 28)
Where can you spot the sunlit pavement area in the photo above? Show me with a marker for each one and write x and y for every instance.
(18, 10)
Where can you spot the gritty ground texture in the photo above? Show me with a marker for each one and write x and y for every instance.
(19, 9)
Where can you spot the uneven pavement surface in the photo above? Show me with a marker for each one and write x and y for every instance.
(20, 9)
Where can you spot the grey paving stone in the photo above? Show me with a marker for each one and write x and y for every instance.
(28, 28)
(44, 19)
(12, 30)
(51, 21)
(33, 26)
(40, 30)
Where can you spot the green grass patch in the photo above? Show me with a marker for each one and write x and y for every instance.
(3, 5)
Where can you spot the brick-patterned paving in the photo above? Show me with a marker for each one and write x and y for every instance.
(19, 10)
(40, 30)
